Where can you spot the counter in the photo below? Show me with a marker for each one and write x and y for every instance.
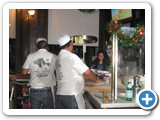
(102, 99)
(96, 101)
(97, 96)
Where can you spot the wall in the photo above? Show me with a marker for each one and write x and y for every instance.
(12, 22)
(28, 29)
(72, 22)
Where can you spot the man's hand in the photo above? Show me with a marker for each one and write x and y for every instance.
(101, 76)
(90, 76)
(99, 81)
(13, 77)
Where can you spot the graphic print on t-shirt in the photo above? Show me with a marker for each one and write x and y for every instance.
(58, 70)
(43, 67)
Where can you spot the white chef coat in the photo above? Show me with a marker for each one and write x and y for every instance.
(69, 71)
(41, 65)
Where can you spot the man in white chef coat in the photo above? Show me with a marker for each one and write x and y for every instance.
(71, 72)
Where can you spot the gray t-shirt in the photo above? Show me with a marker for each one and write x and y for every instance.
(41, 65)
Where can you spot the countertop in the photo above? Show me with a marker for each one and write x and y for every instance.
(97, 99)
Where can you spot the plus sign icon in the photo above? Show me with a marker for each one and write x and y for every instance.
(147, 99)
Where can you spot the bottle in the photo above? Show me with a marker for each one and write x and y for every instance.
(129, 91)
(136, 86)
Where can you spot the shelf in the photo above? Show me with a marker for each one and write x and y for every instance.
(88, 44)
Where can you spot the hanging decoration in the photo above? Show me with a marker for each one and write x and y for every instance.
(134, 39)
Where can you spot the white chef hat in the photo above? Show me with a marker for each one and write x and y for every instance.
(63, 39)
(40, 39)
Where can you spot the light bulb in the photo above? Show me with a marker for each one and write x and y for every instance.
(31, 12)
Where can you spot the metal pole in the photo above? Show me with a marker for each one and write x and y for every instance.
(140, 58)
(114, 68)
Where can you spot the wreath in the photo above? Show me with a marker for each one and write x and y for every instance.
(87, 10)
(134, 39)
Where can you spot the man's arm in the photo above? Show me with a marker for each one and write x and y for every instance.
(89, 75)
(24, 71)
(22, 75)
